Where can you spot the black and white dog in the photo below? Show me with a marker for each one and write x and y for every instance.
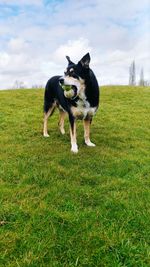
(84, 103)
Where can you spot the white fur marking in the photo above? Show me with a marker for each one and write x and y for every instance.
(83, 109)
(74, 148)
(46, 135)
(89, 143)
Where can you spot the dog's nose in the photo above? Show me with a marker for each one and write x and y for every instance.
(61, 80)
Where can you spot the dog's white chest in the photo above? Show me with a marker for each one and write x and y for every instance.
(83, 110)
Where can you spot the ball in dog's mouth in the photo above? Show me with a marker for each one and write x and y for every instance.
(66, 87)
(70, 91)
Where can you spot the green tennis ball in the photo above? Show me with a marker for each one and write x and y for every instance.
(66, 87)
(69, 94)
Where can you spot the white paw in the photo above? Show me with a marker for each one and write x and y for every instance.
(89, 143)
(74, 149)
(46, 135)
(62, 131)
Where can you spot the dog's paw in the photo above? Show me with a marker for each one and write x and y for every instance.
(46, 135)
(89, 143)
(74, 149)
(62, 131)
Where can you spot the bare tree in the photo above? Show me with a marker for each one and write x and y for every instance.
(132, 74)
(146, 83)
(141, 81)
(18, 85)
(37, 86)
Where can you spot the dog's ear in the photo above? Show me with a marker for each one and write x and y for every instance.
(69, 61)
(85, 61)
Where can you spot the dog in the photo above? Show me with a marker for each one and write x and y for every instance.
(82, 105)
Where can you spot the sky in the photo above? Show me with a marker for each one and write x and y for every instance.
(36, 35)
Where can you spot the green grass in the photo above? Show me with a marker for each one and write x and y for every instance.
(90, 209)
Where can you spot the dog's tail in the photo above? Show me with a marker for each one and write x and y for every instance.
(48, 98)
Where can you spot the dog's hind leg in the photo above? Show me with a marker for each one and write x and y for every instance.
(61, 121)
(87, 123)
(46, 116)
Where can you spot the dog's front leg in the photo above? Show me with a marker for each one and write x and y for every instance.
(87, 124)
(74, 146)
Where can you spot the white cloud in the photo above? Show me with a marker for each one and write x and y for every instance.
(17, 45)
(35, 41)
(74, 48)
(4, 59)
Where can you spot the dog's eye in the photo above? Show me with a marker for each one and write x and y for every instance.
(71, 71)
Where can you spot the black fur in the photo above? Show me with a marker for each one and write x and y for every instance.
(54, 92)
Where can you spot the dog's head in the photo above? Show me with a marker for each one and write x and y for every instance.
(75, 74)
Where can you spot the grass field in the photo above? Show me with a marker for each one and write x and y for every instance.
(91, 209)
